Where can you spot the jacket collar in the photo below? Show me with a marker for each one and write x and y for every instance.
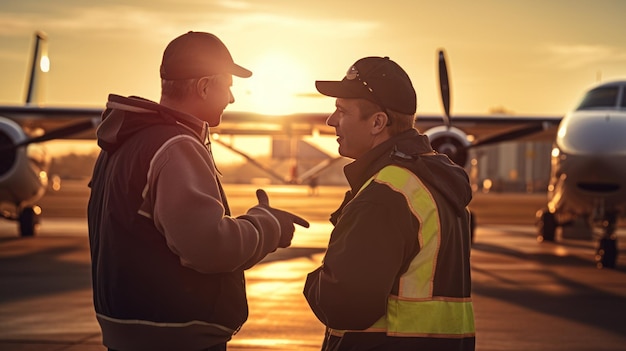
(408, 143)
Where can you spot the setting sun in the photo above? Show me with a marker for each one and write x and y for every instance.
(276, 81)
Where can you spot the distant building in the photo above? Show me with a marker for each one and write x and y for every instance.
(511, 167)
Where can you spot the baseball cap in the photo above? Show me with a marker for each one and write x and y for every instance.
(198, 54)
(377, 79)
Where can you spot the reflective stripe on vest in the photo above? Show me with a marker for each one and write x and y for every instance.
(415, 311)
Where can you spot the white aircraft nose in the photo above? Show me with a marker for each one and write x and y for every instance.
(593, 132)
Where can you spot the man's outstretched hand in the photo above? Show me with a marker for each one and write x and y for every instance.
(285, 219)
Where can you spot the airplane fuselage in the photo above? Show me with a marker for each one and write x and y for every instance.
(23, 171)
(589, 161)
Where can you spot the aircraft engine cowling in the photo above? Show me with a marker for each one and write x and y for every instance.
(450, 141)
(23, 170)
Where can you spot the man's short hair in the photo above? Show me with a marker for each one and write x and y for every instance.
(178, 89)
(397, 122)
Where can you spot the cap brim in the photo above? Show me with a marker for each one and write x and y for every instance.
(240, 71)
(341, 89)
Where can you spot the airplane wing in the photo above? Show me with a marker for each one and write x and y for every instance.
(298, 124)
(479, 127)
(33, 118)
(488, 126)
(37, 120)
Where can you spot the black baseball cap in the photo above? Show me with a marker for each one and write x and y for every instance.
(198, 54)
(377, 79)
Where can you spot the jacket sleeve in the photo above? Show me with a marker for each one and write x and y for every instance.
(183, 199)
(366, 253)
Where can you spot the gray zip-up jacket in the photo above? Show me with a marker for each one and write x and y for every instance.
(167, 257)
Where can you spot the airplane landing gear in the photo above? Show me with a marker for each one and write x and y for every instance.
(28, 220)
(546, 225)
(26, 217)
(606, 253)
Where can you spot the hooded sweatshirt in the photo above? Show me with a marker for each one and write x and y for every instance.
(167, 257)
(375, 239)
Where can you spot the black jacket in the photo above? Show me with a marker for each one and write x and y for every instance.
(375, 238)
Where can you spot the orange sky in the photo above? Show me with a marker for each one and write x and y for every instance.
(528, 56)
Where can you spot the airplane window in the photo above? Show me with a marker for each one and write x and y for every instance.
(600, 97)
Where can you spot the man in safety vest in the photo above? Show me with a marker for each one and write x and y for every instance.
(396, 275)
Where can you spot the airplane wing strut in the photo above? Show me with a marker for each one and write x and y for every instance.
(252, 161)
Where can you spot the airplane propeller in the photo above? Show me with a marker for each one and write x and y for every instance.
(459, 152)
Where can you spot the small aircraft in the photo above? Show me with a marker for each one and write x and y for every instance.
(588, 162)
(588, 169)
(24, 163)
(587, 178)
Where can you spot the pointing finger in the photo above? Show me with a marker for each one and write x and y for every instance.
(261, 195)
(300, 221)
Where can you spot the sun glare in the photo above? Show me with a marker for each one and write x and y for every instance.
(276, 81)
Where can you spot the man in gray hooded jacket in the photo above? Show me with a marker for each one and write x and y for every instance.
(167, 256)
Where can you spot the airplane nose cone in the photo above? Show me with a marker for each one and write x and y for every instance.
(593, 132)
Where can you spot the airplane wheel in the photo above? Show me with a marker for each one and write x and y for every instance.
(606, 255)
(28, 220)
(546, 226)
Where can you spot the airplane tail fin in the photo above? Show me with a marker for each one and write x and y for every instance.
(40, 65)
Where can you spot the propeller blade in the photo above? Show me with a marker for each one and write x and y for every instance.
(60, 133)
(510, 135)
(55, 134)
(444, 87)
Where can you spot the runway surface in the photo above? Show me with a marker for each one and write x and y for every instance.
(527, 296)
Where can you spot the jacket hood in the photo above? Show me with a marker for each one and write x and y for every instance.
(413, 151)
(447, 177)
(125, 116)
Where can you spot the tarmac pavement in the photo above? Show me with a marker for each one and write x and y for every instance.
(527, 296)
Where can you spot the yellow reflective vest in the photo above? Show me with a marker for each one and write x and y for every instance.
(417, 310)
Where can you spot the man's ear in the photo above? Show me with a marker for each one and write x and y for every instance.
(202, 87)
(379, 122)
